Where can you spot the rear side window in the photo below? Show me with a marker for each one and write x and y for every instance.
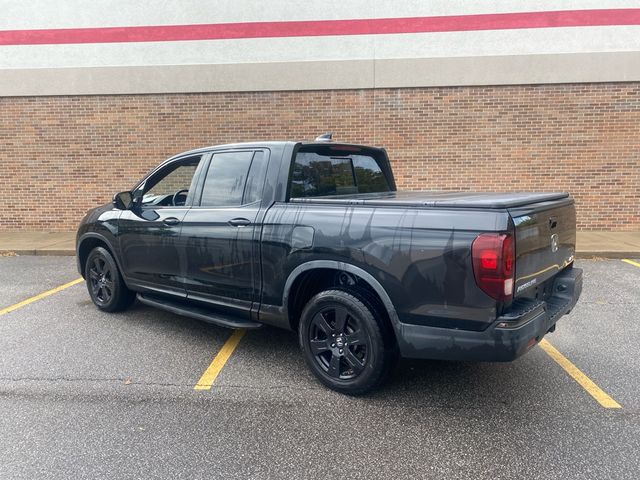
(226, 179)
(255, 182)
(316, 174)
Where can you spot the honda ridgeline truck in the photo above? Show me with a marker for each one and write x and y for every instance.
(315, 238)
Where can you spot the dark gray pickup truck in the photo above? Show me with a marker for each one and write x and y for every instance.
(314, 237)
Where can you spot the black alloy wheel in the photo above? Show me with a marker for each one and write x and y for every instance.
(101, 280)
(342, 340)
(104, 282)
(338, 342)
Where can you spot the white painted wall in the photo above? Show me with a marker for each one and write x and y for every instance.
(25, 14)
(576, 54)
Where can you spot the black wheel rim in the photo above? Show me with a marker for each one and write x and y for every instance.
(101, 280)
(338, 343)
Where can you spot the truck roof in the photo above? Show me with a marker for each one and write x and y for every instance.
(269, 143)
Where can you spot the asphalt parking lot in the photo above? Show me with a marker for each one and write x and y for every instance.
(84, 394)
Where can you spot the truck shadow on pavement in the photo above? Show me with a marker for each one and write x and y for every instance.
(270, 358)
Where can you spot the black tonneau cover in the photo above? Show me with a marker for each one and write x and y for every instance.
(440, 199)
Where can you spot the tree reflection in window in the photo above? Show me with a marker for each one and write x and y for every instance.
(319, 175)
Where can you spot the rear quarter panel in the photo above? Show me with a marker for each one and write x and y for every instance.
(421, 256)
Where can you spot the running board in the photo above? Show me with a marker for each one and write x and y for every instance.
(196, 312)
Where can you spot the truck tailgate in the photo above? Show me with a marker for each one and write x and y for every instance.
(545, 242)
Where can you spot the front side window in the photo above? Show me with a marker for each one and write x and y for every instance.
(315, 175)
(170, 186)
(226, 178)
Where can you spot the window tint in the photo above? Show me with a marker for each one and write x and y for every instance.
(255, 182)
(226, 178)
(369, 176)
(170, 180)
(317, 175)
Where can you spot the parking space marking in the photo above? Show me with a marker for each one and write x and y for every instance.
(40, 296)
(211, 373)
(574, 372)
(631, 262)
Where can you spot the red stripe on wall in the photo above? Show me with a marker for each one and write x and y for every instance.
(315, 28)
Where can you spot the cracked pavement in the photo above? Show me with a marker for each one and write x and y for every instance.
(84, 394)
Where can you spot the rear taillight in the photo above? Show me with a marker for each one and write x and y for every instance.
(493, 264)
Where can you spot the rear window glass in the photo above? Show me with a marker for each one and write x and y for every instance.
(317, 175)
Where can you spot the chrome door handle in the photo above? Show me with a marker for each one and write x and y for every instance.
(171, 221)
(239, 222)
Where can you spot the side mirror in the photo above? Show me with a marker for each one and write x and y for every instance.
(123, 200)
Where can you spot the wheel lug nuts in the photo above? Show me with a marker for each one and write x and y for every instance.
(333, 344)
(340, 350)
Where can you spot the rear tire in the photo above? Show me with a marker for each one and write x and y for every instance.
(341, 337)
(104, 282)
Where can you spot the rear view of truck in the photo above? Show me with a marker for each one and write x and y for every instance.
(368, 271)
(530, 270)
(469, 275)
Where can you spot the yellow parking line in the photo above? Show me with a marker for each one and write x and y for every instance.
(631, 262)
(585, 382)
(40, 296)
(211, 373)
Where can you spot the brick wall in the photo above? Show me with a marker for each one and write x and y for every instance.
(62, 155)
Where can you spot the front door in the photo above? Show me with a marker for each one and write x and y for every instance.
(220, 232)
(149, 233)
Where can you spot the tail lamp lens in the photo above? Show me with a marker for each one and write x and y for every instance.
(493, 264)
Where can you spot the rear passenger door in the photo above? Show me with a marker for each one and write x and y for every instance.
(220, 232)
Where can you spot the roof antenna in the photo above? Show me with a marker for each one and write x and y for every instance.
(325, 137)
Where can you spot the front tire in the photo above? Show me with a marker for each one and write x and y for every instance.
(342, 342)
(104, 282)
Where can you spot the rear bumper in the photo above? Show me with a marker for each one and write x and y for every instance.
(509, 337)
